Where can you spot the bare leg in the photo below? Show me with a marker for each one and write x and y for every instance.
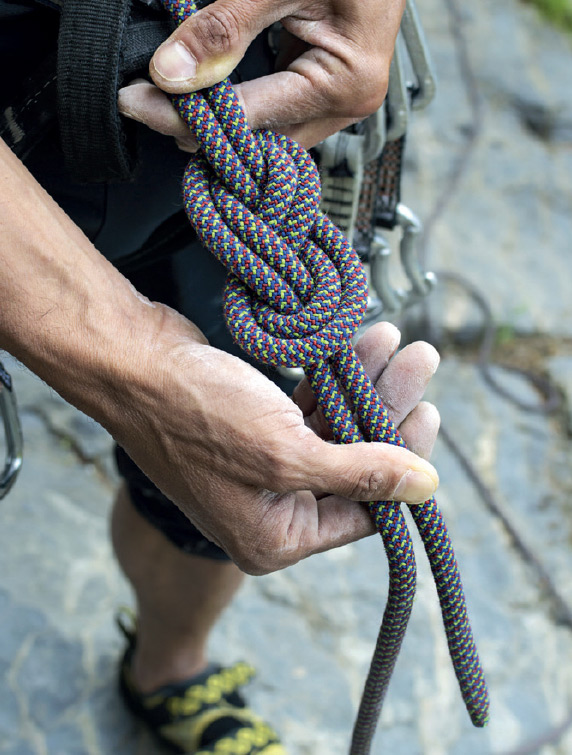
(179, 598)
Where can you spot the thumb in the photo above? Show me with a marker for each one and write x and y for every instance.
(208, 46)
(370, 472)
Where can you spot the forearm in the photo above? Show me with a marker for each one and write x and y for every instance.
(66, 312)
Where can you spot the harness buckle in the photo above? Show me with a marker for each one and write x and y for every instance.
(341, 169)
(12, 433)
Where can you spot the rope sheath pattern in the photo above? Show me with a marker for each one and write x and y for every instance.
(295, 295)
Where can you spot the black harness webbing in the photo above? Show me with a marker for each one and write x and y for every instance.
(108, 43)
(102, 44)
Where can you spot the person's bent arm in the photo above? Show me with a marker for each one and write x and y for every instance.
(223, 442)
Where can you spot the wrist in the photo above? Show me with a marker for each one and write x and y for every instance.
(66, 312)
(83, 342)
(73, 319)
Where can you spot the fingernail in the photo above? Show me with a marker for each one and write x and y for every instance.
(415, 487)
(175, 62)
(187, 145)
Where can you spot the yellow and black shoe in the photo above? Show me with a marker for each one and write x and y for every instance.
(205, 715)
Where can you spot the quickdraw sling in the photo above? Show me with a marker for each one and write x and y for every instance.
(295, 295)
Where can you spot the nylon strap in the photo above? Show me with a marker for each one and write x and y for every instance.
(389, 183)
(87, 90)
(101, 45)
(295, 295)
(380, 193)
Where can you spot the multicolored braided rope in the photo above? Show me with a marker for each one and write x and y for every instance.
(295, 295)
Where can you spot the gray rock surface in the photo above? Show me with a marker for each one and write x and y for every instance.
(310, 630)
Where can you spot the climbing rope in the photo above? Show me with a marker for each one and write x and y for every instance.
(295, 295)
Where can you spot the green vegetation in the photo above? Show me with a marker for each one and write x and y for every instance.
(558, 12)
(504, 334)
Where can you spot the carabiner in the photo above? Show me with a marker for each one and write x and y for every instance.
(12, 432)
(421, 282)
(397, 99)
(394, 299)
(425, 85)
(390, 297)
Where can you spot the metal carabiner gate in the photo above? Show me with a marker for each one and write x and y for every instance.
(394, 299)
(12, 432)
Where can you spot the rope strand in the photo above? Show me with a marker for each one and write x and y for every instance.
(295, 295)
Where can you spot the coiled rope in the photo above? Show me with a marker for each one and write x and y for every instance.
(295, 295)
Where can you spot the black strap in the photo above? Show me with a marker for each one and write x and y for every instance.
(148, 26)
(101, 46)
(389, 189)
(380, 195)
(88, 64)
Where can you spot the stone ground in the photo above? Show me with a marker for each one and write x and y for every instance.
(310, 630)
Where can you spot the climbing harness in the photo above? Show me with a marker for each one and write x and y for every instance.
(295, 295)
(12, 433)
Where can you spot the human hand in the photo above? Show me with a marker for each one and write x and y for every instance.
(235, 454)
(335, 60)
(222, 441)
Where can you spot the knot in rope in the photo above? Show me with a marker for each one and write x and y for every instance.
(296, 292)
(295, 295)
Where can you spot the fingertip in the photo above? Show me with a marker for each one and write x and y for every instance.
(173, 67)
(429, 352)
(128, 99)
(382, 333)
(430, 415)
(420, 429)
(376, 348)
(187, 145)
(304, 398)
(417, 485)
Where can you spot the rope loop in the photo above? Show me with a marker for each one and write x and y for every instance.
(297, 290)
(295, 295)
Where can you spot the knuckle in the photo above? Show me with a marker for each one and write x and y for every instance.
(260, 561)
(275, 545)
(217, 29)
(370, 96)
(371, 486)
(249, 559)
(253, 566)
(259, 550)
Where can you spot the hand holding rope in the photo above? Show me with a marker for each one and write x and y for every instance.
(295, 296)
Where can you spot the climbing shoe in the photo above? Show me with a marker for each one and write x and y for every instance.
(205, 715)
